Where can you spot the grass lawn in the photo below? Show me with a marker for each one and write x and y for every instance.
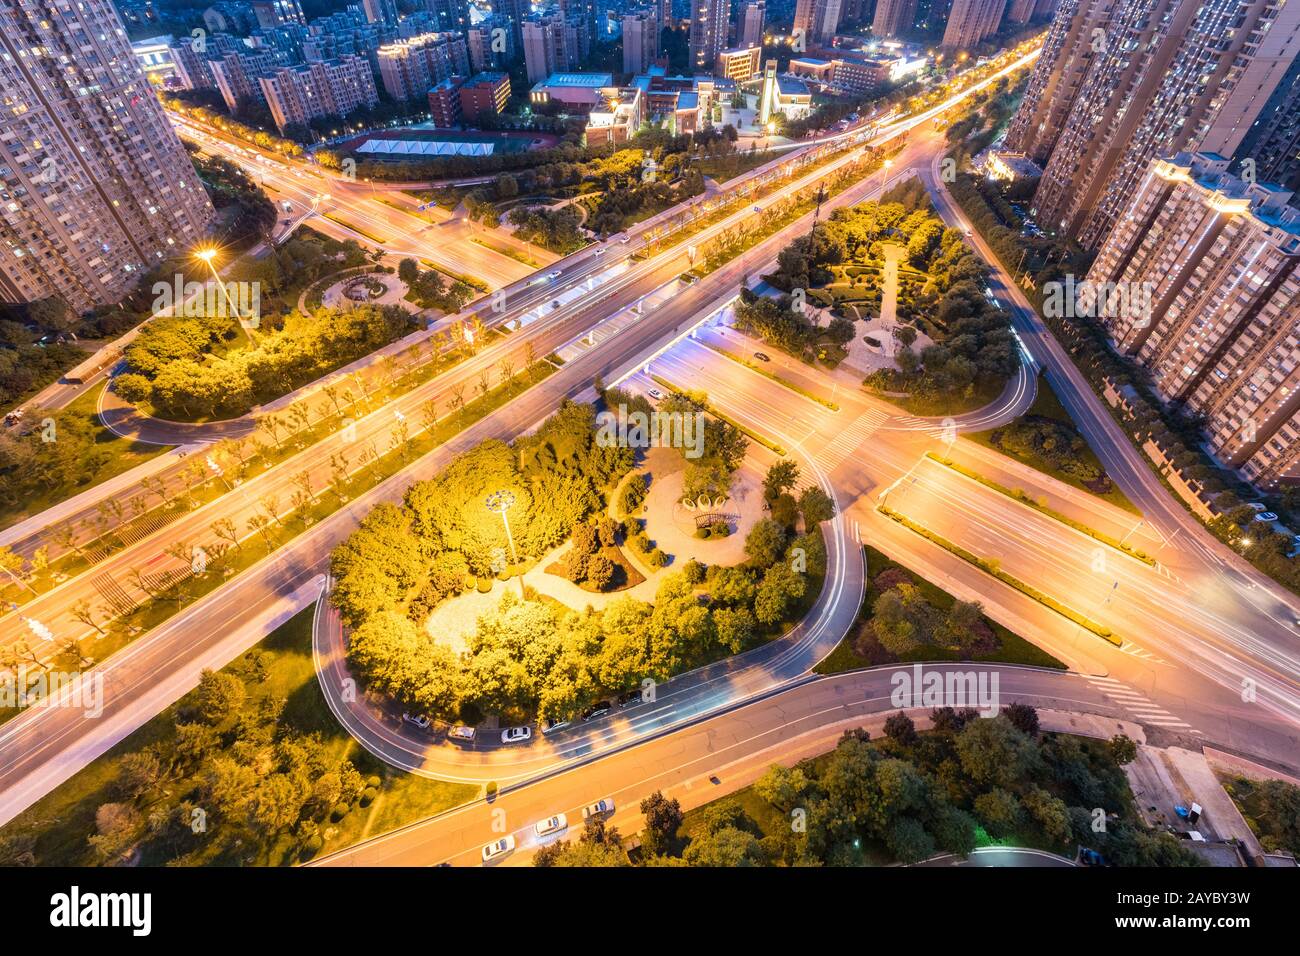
(126, 455)
(1013, 649)
(929, 406)
(62, 821)
(724, 168)
(1047, 405)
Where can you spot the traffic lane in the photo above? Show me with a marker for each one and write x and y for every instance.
(307, 553)
(1101, 584)
(689, 756)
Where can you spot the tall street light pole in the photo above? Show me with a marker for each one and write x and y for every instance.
(206, 256)
(501, 502)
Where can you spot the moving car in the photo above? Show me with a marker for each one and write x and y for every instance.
(551, 825)
(498, 848)
(600, 808)
(629, 698)
(758, 209)
(762, 356)
(600, 250)
(461, 733)
(512, 735)
(551, 726)
(655, 393)
(553, 274)
(420, 720)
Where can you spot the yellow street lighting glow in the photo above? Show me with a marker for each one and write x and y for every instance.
(207, 255)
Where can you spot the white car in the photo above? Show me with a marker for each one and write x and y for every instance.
(461, 733)
(655, 393)
(553, 275)
(600, 808)
(514, 735)
(552, 825)
(758, 209)
(625, 240)
(498, 848)
(600, 250)
(420, 720)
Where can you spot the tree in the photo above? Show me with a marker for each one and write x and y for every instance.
(816, 506)
(662, 819)
(116, 826)
(765, 543)
(12, 564)
(994, 752)
(783, 787)
(727, 847)
(777, 593)
(219, 696)
(781, 477)
(1122, 749)
(900, 729)
(1023, 717)
(600, 571)
(137, 774)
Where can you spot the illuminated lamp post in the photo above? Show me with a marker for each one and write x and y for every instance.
(206, 256)
(500, 502)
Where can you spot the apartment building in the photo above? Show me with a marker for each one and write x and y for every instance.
(710, 24)
(750, 23)
(893, 17)
(484, 93)
(1167, 75)
(1200, 282)
(970, 21)
(299, 94)
(640, 40)
(815, 21)
(740, 65)
(409, 68)
(95, 191)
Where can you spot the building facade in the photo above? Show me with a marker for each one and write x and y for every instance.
(308, 91)
(409, 68)
(1166, 75)
(710, 22)
(970, 21)
(893, 17)
(1200, 283)
(640, 40)
(95, 190)
(750, 23)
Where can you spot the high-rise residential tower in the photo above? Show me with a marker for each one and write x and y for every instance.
(970, 21)
(750, 23)
(1068, 51)
(893, 17)
(1273, 144)
(95, 188)
(710, 20)
(1200, 282)
(816, 20)
(640, 40)
(1166, 75)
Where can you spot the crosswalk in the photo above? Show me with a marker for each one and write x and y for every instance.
(1143, 708)
(835, 451)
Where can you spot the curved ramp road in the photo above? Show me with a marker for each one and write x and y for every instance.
(763, 730)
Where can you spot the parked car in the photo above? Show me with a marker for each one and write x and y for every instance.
(1266, 516)
(551, 726)
(551, 825)
(758, 209)
(420, 720)
(601, 808)
(461, 733)
(762, 356)
(629, 698)
(498, 848)
(656, 394)
(598, 709)
(514, 735)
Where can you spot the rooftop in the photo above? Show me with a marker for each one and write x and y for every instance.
(580, 80)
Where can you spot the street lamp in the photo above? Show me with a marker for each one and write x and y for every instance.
(207, 256)
(500, 502)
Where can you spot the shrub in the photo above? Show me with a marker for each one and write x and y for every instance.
(657, 558)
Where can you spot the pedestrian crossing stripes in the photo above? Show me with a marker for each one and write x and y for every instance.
(835, 451)
(1141, 707)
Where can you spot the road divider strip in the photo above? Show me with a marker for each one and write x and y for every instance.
(747, 432)
(766, 374)
(1025, 499)
(990, 566)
